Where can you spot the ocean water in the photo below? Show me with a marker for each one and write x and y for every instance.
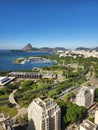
(7, 57)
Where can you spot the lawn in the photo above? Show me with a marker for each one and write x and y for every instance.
(4, 108)
(4, 100)
(3, 96)
(8, 111)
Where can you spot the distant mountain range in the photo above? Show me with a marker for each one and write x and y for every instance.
(83, 48)
(29, 47)
(87, 49)
(96, 48)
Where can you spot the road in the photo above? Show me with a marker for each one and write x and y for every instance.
(92, 80)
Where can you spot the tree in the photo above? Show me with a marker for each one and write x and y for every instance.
(69, 96)
(75, 113)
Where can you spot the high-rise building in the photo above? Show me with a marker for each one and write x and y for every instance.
(85, 97)
(44, 114)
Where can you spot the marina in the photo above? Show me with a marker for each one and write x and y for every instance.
(7, 57)
(32, 60)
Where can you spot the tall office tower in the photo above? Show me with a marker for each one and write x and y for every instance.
(44, 114)
(85, 97)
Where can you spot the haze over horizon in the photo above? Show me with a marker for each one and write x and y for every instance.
(51, 23)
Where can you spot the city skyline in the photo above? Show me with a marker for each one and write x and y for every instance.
(50, 23)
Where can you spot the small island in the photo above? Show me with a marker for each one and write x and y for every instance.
(31, 60)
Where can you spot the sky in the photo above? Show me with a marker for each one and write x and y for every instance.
(48, 23)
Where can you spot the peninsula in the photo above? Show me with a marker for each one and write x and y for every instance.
(31, 60)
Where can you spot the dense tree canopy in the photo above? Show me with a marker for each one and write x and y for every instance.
(71, 113)
(74, 113)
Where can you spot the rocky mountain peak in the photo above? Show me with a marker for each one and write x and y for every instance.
(28, 47)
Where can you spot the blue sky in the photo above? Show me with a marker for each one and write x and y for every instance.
(51, 23)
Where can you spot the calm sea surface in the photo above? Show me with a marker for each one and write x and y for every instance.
(7, 57)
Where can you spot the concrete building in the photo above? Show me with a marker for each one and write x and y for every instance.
(84, 53)
(44, 114)
(85, 97)
(88, 125)
(96, 116)
(3, 79)
(30, 75)
(49, 76)
(5, 122)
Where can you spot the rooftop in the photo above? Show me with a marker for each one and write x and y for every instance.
(88, 125)
(43, 101)
(23, 73)
(83, 91)
(3, 77)
(43, 97)
(5, 80)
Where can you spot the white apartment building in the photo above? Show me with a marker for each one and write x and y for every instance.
(88, 125)
(44, 114)
(85, 97)
(85, 53)
(96, 116)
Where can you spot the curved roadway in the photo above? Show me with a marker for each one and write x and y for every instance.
(21, 111)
